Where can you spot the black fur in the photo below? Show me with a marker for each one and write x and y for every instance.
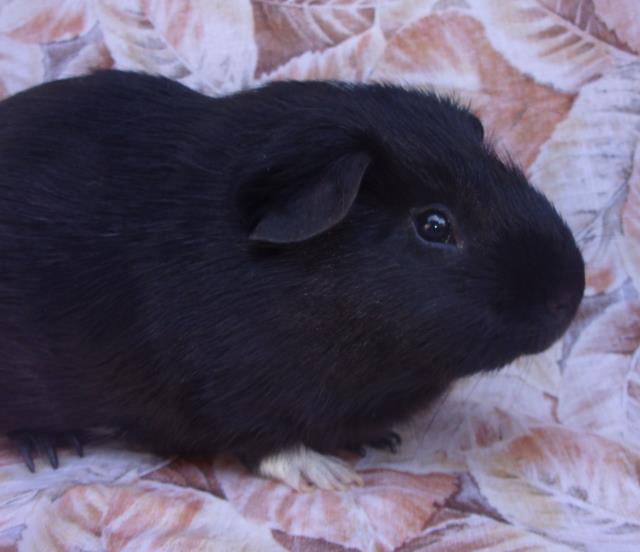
(243, 273)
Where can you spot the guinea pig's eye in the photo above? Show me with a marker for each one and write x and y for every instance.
(433, 225)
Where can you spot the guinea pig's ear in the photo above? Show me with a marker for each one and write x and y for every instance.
(317, 203)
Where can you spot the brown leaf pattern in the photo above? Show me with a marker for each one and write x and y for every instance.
(543, 455)
(289, 29)
(519, 113)
(46, 20)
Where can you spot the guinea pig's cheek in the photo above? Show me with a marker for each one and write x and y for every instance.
(526, 337)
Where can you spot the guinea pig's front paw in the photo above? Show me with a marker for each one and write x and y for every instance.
(305, 469)
(44, 442)
(389, 441)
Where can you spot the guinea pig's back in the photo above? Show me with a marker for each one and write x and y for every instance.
(101, 187)
(89, 128)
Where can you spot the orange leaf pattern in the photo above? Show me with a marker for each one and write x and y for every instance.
(543, 455)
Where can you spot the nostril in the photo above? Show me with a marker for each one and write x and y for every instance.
(560, 305)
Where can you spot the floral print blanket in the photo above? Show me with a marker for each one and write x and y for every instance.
(544, 455)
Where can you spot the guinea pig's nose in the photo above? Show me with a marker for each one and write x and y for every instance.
(561, 305)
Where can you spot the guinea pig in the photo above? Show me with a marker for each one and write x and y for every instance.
(281, 274)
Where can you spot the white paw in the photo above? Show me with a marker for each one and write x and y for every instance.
(305, 470)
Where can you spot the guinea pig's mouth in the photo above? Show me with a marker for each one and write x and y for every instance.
(536, 344)
(546, 324)
(512, 347)
(532, 329)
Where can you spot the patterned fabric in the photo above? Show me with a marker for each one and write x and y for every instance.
(544, 455)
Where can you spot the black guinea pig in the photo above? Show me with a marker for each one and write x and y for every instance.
(280, 273)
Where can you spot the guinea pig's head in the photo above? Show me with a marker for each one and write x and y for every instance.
(390, 205)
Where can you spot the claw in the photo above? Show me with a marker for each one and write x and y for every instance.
(52, 455)
(46, 445)
(31, 442)
(77, 445)
(26, 451)
(359, 450)
(390, 441)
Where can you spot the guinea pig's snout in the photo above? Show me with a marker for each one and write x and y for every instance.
(562, 305)
(544, 283)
